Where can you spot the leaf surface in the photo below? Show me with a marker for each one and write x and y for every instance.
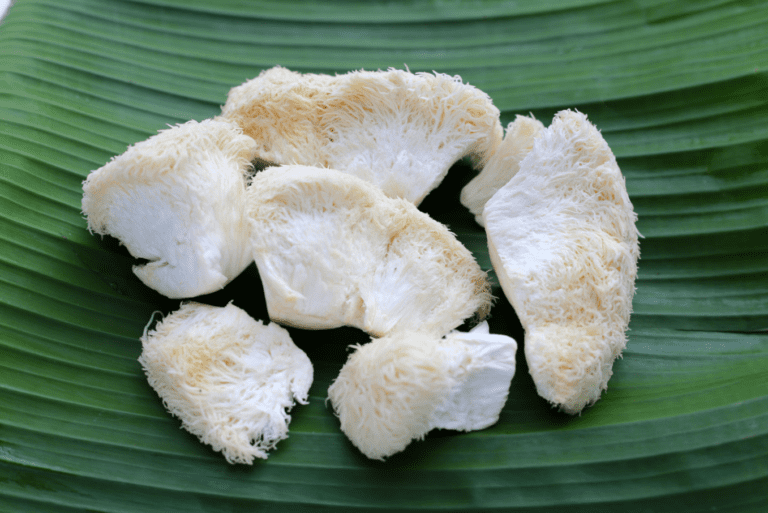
(680, 92)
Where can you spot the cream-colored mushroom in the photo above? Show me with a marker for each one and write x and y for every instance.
(398, 388)
(177, 200)
(563, 242)
(399, 130)
(502, 165)
(333, 250)
(229, 378)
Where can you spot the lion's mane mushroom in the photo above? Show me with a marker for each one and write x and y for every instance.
(399, 130)
(177, 200)
(502, 166)
(229, 378)
(563, 242)
(333, 250)
(398, 388)
(403, 131)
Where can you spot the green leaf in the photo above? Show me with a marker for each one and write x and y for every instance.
(679, 90)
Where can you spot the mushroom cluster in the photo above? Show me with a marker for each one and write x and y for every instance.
(333, 226)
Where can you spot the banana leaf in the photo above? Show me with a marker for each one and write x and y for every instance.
(680, 92)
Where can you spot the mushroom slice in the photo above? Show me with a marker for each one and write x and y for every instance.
(229, 378)
(398, 388)
(502, 166)
(563, 242)
(399, 130)
(177, 200)
(333, 250)
(403, 131)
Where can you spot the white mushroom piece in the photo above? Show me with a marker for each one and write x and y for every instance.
(177, 200)
(398, 388)
(229, 378)
(332, 250)
(401, 131)
(502, 166)
(563, 242)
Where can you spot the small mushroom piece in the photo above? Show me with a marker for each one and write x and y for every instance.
(399, 130)
(563, 242)
(229, 378)
(333, 250)
(398, 388)
(177, 200)
(502, 165)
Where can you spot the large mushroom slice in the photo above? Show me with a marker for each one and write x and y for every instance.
(333, 250)
(398, 388)
(502, 166)
(403, 131)
(563, 242)
(399, 130)
(229, 378)
(177, 200)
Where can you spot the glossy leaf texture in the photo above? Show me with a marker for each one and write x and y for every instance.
(680, 92)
